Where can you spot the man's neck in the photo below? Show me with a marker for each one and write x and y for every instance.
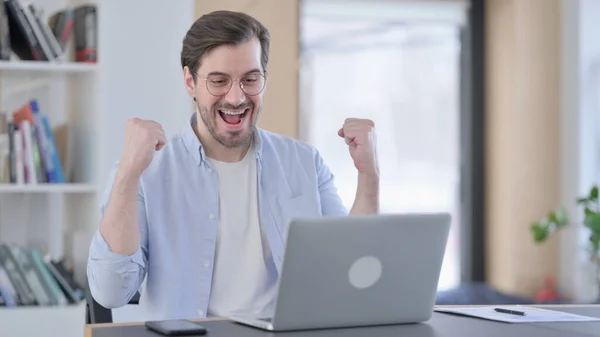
(217, 151)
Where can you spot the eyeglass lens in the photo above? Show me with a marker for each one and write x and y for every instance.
(251, 84)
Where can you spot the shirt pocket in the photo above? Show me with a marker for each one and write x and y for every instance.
(301, 206)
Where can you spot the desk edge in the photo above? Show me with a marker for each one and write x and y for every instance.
(88, 329)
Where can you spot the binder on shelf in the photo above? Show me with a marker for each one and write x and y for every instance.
(22, 39)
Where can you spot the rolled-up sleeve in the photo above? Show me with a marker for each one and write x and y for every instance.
(331, 203)
(115, 278)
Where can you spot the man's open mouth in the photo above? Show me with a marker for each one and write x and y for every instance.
(233, 117)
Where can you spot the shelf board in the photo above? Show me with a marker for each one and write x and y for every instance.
(45, 309)
(64, 321)
(45, 66)
(47, 188)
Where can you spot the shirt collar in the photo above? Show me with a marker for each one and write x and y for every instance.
(195, 148)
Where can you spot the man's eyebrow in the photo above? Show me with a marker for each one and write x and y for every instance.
(216, 73)
(255, 70)
(220, 73)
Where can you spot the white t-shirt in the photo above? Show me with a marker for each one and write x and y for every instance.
(244, 275)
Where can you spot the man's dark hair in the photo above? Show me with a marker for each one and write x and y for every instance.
(222, 28)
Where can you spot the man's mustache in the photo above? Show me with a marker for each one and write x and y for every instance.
(227, 106)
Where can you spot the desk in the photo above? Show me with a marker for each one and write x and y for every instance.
(440, 325)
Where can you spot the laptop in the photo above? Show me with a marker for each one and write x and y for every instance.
(356, 271)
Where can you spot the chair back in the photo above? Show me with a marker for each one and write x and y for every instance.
(94, 312)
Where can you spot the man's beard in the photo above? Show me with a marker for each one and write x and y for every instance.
(230, 140)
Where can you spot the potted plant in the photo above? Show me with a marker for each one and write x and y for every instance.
(558, 218)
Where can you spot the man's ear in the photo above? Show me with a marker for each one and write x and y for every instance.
(190, 85)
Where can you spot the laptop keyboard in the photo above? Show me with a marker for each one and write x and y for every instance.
(266, 319)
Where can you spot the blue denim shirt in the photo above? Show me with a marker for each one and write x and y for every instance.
(178, 206)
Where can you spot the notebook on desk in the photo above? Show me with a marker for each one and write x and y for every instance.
(517, 314)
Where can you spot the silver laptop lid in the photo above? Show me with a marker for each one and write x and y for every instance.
(361, 270)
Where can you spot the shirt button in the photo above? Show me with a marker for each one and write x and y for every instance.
(201, 313)
(210, 170)
(206, 265)
(211, 216)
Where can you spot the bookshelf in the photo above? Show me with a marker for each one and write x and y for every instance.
(43, 321)
(16, 67)
(137, 75)
(72, 188)
(54, 217)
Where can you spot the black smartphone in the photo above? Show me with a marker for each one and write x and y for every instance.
(176, 327)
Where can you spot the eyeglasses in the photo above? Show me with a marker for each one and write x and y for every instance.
(219, 85)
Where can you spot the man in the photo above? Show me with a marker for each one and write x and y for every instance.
(201, 218)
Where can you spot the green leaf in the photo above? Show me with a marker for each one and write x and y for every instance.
(594, 193)
(582, 201)
(592, 222)
(540, 232)
(595, 240)
(588, 211)
(552, 217)
(562, 219)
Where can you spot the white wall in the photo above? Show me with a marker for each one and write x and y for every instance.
(140, 70)
(580, 134)
(139, 76)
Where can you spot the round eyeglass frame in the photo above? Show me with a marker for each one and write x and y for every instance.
(264, 76)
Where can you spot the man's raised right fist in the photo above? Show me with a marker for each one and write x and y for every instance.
(142, 139)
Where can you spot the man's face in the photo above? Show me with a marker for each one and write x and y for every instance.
(229, 110)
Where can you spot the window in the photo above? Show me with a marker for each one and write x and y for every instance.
(397, 63)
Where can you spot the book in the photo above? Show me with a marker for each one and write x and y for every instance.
(4, 157)
(31, 36)
(18, 164)
(36, 30)
(75, 293)
(55, 50)
(61, 24)
(25, 295)
(85, 34)
(58, 296)
(34, 156)
(29, 274)
(7, 290)
(5, 46)
(22, 39)
(28, 278)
